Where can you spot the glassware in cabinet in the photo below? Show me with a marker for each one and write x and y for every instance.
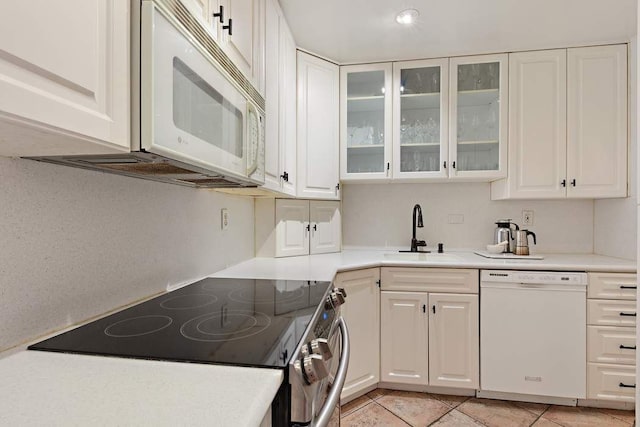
(478, 132)
(365, 121)
(420, 118)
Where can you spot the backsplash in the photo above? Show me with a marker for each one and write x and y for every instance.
(77, 243)
(380, 215)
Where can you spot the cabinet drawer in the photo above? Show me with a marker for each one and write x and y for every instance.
(611, 344)
(445, 280)
(611, 313)
(612, 286)
(608, 382)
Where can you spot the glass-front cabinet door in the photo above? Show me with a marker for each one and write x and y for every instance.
(365, 127)
(420, 118)
(478, 128)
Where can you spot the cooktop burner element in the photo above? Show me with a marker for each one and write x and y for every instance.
(228, 321)
(138, 326)
(211, 327)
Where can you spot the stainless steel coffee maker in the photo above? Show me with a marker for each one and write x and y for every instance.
(504, 233)
(522, 242)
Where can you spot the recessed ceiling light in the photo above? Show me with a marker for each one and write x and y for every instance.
(407, 17)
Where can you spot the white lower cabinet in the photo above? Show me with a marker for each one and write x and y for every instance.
(429, 338)
(611, 337)
(362, 315)
(403, 335)
(453, 340)
(291, 227)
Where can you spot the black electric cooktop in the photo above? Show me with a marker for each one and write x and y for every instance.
(224, 321)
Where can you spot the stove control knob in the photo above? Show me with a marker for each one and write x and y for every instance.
(342, 291)
(318, 346)
(314, 368)
(334, 300)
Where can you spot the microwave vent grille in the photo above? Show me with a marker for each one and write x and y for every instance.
(197, 31)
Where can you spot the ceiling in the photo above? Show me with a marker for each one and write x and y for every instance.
(354, 31)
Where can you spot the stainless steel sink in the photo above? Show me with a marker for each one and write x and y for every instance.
(418, 256)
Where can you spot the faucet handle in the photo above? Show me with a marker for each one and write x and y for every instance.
(421, 243)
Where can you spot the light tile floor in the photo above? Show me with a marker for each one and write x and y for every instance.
(390, 408)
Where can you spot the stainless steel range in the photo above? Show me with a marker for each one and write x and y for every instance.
(294, 326)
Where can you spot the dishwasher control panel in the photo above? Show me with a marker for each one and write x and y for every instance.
(534, 277)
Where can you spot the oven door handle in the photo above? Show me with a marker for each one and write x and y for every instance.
(323, 418)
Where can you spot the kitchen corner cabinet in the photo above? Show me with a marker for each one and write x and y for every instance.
(362, 314)
(280, 98)
(290, 227)
(64, 81)
(365, 121)
(239, 32)
(318, 134)
(567, 124)
(429, 327)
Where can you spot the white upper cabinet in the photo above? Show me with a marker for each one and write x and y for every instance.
(567, 124)
(478, 116)
(537, 125)
(64, 77)
(448, 119)
(597, 122)
(280, 98)
(420, 118)
(292, 227)
(325, 227)
(239, 31)
(365, 121)
(318, 122)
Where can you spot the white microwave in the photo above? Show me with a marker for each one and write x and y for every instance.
(196, 119)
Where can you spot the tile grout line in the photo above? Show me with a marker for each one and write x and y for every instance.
(398, 417)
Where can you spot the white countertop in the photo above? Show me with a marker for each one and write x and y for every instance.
(324, 267)
(55, 389)
(44, 388)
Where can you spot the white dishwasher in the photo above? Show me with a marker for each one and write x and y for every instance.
(533, 333)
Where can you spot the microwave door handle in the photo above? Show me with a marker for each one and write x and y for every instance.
(323, 418)
(254, 164)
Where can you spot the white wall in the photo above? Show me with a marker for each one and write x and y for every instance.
(615, 222)
(380, 215)
(75, 244)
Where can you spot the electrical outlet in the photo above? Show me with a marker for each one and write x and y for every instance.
(224, 218)
(527, 217)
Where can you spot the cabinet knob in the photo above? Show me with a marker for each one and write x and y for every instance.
(220, 14)
(229, 27)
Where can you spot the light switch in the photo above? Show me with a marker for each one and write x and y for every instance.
(455, 219)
